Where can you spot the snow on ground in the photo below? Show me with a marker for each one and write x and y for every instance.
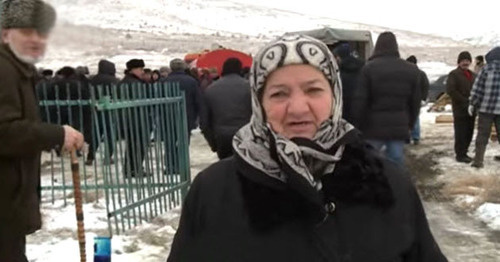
(440, 137)
(490, 214)
(147, 242)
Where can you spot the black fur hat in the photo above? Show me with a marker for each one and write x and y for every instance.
(135, 63)
(66, 71)
(28, 14)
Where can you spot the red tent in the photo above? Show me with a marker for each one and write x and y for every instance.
(217, 58)
(193, 56)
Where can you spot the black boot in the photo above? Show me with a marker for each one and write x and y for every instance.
(463, 159)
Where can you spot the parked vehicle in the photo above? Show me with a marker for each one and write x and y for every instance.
(360, 41)
(437, 88)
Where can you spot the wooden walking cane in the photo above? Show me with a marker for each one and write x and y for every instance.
(75, 169)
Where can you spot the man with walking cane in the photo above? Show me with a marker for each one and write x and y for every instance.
(26, 25)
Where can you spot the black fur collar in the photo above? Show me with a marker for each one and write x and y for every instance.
(358, 179)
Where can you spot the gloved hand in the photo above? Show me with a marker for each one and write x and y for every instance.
(471, 110)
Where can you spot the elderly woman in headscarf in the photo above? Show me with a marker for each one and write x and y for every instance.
(302, 185)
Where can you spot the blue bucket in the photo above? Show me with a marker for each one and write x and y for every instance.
(102, 249)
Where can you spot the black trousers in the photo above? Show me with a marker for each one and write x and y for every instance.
(137, 143)
(483, 134)
(171, 154)
(464, 130)
(12, 247)
(94, 141)
(138, 131)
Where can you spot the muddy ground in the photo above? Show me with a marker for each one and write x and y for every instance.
(460, 236)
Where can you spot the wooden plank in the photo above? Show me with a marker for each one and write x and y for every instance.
(444, 119)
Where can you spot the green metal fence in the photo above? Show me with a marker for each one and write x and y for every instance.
(138, 140)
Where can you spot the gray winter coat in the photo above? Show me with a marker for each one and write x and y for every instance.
(227, 108)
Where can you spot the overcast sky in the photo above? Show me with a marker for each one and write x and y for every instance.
(444, 17)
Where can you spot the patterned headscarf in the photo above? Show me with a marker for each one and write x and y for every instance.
(275, 155)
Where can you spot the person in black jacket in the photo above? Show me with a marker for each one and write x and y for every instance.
(350, 72)
(42, 87)
(387, 102)
(103, 84)
(70, 87)
(458, 87)
(227, 108)
(136, 136)
(302, 185)
(424, 85)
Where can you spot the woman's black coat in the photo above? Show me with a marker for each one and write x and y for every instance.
(371, 212)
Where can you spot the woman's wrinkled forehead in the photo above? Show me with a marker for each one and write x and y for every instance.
(292, 49)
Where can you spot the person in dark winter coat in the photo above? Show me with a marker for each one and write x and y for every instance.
(387, 103)
(227, 108)
(155, 76)
(205, 79)
(42, 88)
(103, 84)
(164, 72)
(148, 75)
(105, 78)
(43, 82)
(350, 72)
(26, 26)
(191, 90)
(69, 87)
(130, 87)
(424, 85)
(302, 185)
(134, 74)
(458, 87)
(485, 99)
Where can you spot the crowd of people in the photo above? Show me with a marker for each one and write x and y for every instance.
(219, 107)
(310, 141)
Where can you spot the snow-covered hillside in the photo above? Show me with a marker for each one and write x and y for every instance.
(491, 38)
(223, 17)
(160, 30)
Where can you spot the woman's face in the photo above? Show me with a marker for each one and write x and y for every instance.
(296, 100)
